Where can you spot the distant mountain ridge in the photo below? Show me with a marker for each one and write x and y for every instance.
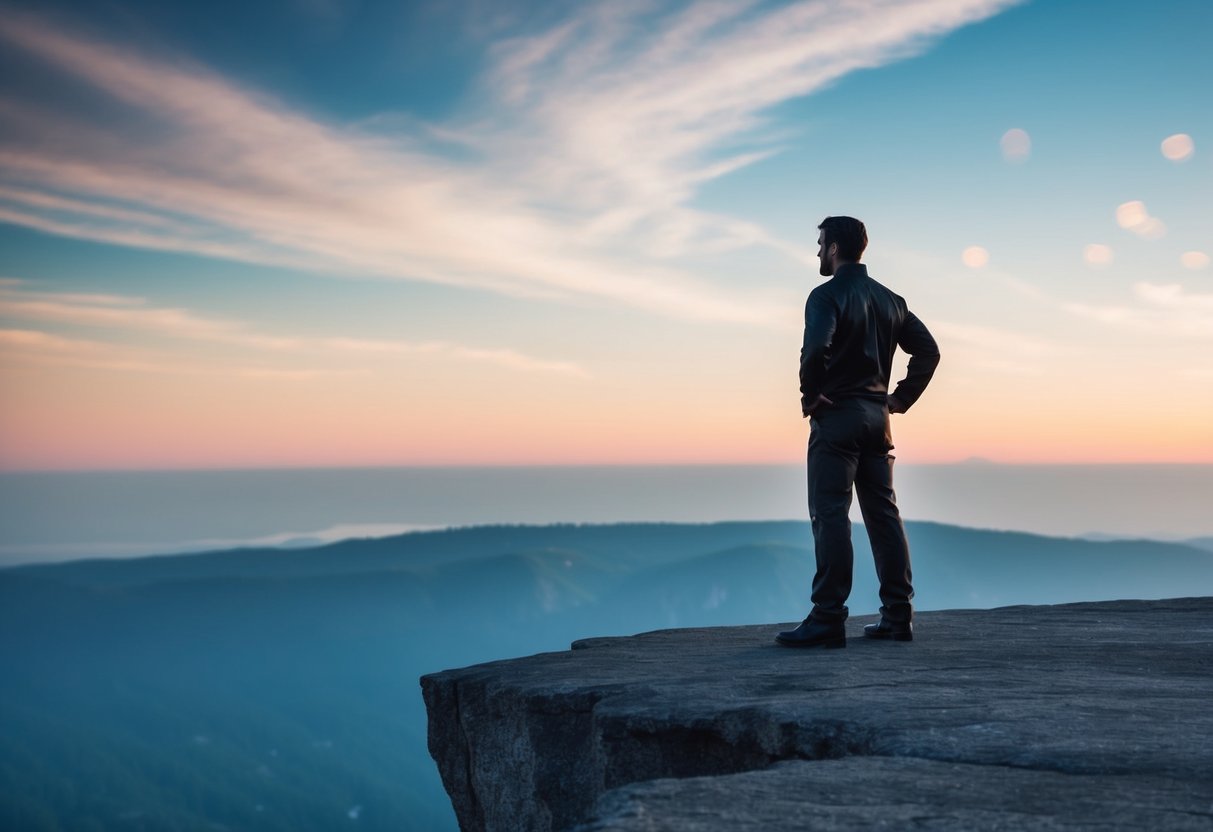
(423, 548)
(954, 566)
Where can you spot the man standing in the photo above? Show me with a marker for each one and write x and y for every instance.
(852, 327)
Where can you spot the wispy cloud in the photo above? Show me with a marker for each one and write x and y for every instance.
(996, 348)
(38, 348)
(131, 314)
(1163, 309)
(31, 345)
(503, 357)
(635, 112)
(579, 182)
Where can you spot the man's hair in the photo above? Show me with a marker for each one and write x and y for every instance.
(848, 233)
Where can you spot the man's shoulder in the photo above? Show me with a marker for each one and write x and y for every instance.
(818, 296)
(881, 288)
(825, 289)
(839, 290)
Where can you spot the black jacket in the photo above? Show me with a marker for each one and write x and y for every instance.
(852, 327)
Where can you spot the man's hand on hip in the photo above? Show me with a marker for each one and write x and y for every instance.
(896, 405)
(818, 402)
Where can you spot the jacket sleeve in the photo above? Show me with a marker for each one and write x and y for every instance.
(820, 322)
(916, 340)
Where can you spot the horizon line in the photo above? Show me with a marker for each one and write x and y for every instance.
(455, 466)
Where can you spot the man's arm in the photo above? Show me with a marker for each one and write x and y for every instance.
(916, 340)
(820, 321)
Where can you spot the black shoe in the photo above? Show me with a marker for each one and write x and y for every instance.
(814, 634)
(890, 629)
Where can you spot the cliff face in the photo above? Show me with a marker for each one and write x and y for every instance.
(1063, 717)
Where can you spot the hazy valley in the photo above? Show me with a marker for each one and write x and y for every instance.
(277, 688)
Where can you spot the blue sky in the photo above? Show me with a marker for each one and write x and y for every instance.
(319, 232)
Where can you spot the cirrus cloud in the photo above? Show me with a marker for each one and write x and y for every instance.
(1164, 309)
(132, 314)
(577, 185)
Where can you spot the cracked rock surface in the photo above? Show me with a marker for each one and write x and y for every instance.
(1060, 717)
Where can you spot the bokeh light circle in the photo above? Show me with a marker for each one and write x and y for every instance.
(975, 257)
(1133, 216)
(1130, 215)
(1194, 259)
(1178, 148)
(1097, 254)
(1016, 145)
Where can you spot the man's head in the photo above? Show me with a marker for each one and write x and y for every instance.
(842, 240)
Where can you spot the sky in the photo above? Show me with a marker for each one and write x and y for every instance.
(341, 233)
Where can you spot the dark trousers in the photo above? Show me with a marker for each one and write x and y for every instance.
(849, 444)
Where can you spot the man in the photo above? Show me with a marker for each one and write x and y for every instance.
(852, 327)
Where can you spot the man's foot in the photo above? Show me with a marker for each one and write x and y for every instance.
(897, 631)
(814, 634)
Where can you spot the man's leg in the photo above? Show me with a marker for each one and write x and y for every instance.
(891, 550)
(831, 472)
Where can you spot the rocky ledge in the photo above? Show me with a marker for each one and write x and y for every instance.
(1077, 716)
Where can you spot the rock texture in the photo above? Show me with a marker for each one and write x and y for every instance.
(1078, 716)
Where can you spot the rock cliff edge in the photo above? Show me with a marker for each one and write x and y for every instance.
(1076, 716)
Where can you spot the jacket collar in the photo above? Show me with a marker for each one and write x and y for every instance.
(847, 270)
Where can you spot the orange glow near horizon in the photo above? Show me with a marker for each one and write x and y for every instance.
(186, 426)
(439, 409)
